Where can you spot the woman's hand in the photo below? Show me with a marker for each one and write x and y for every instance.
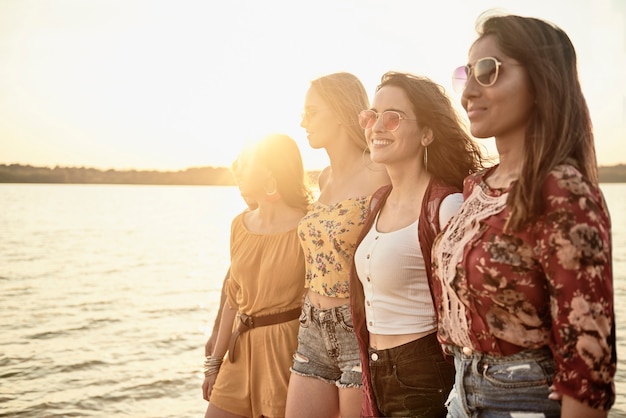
(573, 408)
(554, 394)
(213, 361)
(207, 386)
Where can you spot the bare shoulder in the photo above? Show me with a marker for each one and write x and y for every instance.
(324, 177)
(359, 183)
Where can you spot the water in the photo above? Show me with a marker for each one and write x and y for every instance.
(108, 294)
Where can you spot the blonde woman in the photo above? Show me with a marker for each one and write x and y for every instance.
(326, 370)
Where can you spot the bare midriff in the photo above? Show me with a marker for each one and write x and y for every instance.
(325, 302)
(384, 342)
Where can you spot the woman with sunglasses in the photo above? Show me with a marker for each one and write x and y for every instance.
(258, 323)
(414, 132)
(326, 371)
(525, 293)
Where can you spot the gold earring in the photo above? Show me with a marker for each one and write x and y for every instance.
(363, 155)
(272, 196)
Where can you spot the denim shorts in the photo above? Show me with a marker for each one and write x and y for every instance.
(502, 386)
(327, 346)
(412, 380)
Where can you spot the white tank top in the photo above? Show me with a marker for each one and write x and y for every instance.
(391, 268)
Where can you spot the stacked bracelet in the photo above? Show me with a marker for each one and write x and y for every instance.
(211, 365)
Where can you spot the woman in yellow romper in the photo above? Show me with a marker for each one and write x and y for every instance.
(265, 288)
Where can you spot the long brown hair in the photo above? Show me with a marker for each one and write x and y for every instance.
(345, 95)
(453, 154)
(281, 155)
(560, 129)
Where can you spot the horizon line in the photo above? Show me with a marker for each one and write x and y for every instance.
(130, 168)
(181, 169)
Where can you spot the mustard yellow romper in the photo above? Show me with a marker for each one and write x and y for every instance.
(266, 277)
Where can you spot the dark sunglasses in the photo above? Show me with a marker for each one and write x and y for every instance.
(391, 119)
(485, 72)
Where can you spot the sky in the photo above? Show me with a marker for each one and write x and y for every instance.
(174, 84)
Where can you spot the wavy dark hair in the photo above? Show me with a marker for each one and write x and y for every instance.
(560, 128)
(453, 154)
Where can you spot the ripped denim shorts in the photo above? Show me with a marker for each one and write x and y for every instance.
(327, 346)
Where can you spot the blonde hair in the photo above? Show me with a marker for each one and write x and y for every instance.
(345, 95)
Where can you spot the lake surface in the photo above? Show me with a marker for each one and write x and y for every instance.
(108, 294)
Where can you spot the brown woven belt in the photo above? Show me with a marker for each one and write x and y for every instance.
(246, 323)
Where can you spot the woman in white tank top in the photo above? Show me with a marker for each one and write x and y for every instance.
(414, 132)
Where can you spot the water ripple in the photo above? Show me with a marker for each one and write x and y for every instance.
(109, 316)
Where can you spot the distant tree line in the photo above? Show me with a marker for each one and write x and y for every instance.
(199, 176)
(16, 173)
(613, 174)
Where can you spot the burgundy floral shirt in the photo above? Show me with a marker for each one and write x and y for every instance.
(550, 284)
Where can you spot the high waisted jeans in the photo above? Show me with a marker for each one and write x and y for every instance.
(515, 386)
(411, 380)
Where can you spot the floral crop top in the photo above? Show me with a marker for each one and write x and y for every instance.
(328, 235)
